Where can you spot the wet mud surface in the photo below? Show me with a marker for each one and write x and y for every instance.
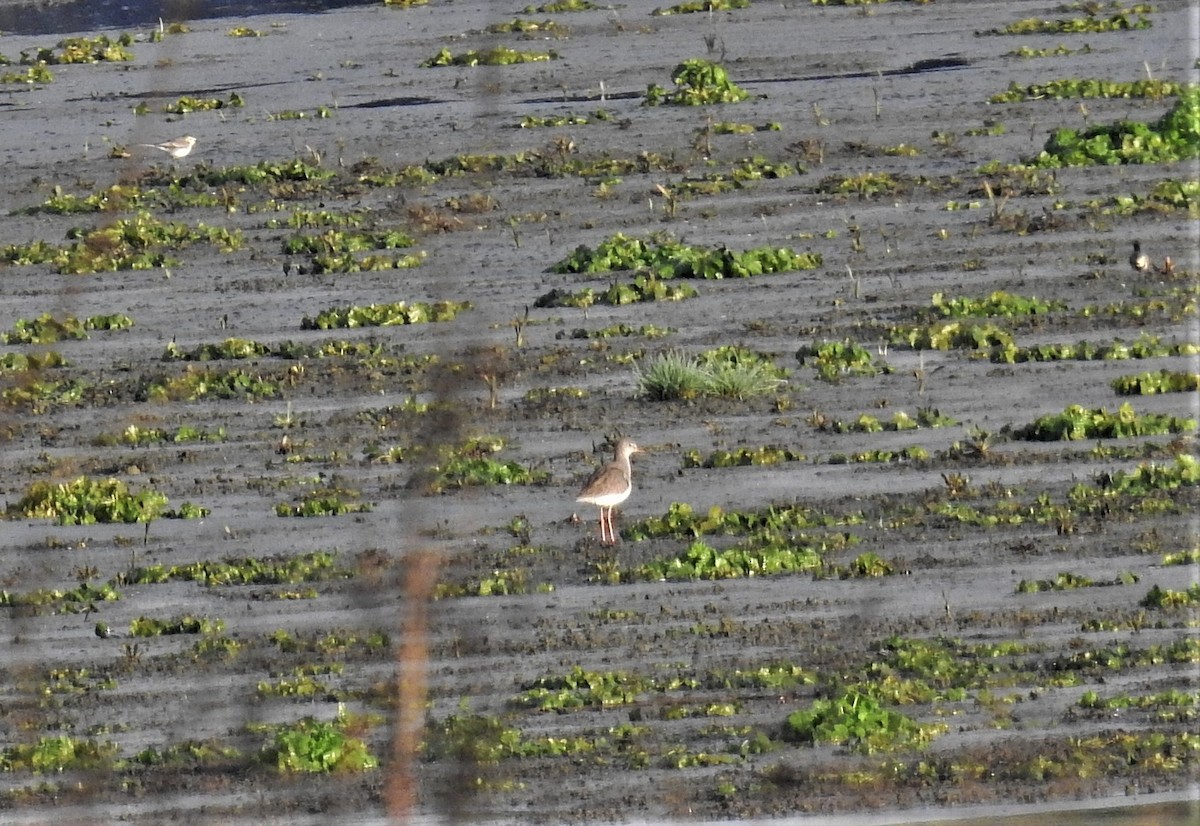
(676, 692)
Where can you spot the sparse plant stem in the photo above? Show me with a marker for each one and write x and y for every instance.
(671, 199)
(920, 375)
(519, 325)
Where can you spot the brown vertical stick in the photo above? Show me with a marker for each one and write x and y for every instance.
(412, 658)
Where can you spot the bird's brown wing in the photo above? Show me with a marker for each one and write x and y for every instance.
(606, 479)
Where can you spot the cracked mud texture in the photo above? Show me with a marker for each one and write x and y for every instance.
(691, 738)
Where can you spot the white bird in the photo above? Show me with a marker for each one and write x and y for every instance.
(178, 148)
(1138, 259)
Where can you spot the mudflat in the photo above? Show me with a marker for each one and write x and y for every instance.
(864, 577)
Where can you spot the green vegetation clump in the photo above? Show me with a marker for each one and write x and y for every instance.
(476, 739)
(702, 561)
(470, 465)
(186, 624)
(668, 258)
(314, 218)
(873, 184)
(373, 353)
(559, 6)
(52, 755)
(186, 105)
(190, 754)
(644, 287)
(1166, 705)
(697, 6)
(31, 75)
(1056, 51)
(500, 582)
(866, 423)
(301, 684)
(127, 196)
(649, 331)
(1143, 347)
(230, 348)
(498, 56)
(482, 471)
(1173, 137)
(1164, 197)
(1163, 381)
(46, 329)
(1065, 581)
(698, 82)
(1149, 477)
(99, 49)
(39, 396)
(135, 243)
(580, 688)
(556, 161)
(336, 240)
(322, 503)
(1076, 422)
(1078, 25)
(331, 251)
(1191, 556)
(1158, 597)
(1087, 89)
(681, 521)
(25, 362)
(912, 453)
(527, 27)
(868, 564)
(727, 372)
(859, 720)
(88, 501)
(310, 745)
(309, 567)
(263, 173)
(742, 457)
(557, 121)
(1139, 491)
(196, 383)
(339, 643)
(998, 304)
(384, 315)
(532, 121)
(834, 359)
(82, 598)
(952, 335)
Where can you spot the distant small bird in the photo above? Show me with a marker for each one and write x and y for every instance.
(178, 148)
(609, 487)
(1138, 259)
